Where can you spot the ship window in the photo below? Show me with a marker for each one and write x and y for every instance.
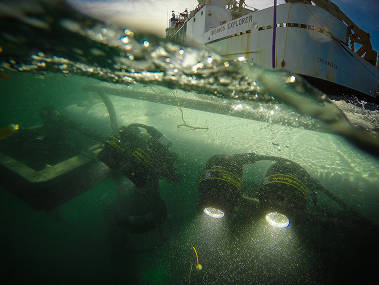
(194, 19)
(302, 26)
(202, 12)
(209, 14)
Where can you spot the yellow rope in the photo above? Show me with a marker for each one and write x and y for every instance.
(198, 265)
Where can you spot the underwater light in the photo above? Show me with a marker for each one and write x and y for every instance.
(283, 191)
(219, 187)
(214, 213)
(277, 220)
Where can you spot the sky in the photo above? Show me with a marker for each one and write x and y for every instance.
(153, 15)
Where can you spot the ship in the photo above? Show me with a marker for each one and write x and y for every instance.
(314, 39)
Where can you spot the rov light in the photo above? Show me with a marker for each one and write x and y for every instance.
(283, 194)
(277, 220)
(219, 188)
(214, 213)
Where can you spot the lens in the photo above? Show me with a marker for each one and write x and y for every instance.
(277, 220)
(214, 213)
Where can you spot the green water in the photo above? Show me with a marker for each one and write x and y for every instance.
(76, 246)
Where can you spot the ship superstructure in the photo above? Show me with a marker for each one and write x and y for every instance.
(311, 38)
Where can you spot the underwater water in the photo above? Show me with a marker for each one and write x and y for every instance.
(54, 57)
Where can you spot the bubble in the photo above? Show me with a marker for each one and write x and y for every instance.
(125, 39)
(291, 79)
(145, 43)
(128, 32)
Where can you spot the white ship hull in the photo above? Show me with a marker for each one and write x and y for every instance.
(309, 41)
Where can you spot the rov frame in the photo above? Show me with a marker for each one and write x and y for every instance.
(53, 185)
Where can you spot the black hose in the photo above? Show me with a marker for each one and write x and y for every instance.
(111, 111)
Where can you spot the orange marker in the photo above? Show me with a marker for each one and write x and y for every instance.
(4, 76)
(8, 130)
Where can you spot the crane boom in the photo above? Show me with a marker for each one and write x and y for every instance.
(354, 34)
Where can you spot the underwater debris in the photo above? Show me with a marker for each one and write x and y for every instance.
(186, 125)
(182, 114)
(184, 121)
